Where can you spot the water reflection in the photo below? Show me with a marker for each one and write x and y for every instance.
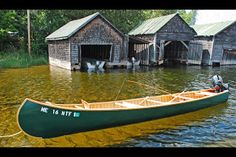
(189, 130)
(99, 71)
(215, 126)
(116, 136)
(59, 75)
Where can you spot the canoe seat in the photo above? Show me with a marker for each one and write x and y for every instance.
(85, 104)
(155, 101)
(183, 97)
(128, 105)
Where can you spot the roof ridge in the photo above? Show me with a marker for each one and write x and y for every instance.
(151, 24)
(214, 23)
(212, 28)
(91, 15)
(73, 26)
(161, 16)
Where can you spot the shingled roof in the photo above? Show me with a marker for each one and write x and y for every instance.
(212, 28)
(151, 26)
(74, 26)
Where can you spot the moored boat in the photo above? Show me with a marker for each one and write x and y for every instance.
(48, 120)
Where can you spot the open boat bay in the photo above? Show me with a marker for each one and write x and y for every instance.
(214, 126)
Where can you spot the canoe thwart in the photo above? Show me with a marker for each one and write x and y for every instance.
(183, 97)
(146, 98)
(155, 101)
(85, 104)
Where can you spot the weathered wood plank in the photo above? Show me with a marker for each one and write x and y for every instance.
(177, 25)
(75, 56)
(194, 55)
(219, 44)
(98, 32)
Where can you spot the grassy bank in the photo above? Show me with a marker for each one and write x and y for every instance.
(21, 59)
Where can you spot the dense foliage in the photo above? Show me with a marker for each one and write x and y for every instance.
(13, 24)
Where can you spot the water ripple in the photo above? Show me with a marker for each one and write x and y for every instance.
(215, 126)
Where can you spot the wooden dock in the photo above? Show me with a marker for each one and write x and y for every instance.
(118, 64)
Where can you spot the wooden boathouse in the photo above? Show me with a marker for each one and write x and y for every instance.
(139, 49)
(89, 38)
(218, 42)
(169, 38)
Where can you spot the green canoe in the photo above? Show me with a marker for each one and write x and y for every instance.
(48, 120)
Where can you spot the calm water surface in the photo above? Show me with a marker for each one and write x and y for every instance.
(211, 127)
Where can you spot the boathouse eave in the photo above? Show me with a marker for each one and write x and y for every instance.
(72, 33)
(163, 25)
(134, 39)
(206, 36)
(146, 27)
(233, 23)
(214, 28)
(48, 38)
(53, 39)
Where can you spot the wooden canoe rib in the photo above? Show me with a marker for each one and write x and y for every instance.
(49, 120)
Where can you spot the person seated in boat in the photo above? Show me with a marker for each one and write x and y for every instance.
(218, 83)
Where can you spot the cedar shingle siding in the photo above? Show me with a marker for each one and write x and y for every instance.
(99, 32)
(64, 45)
(167, 38)
(218, 41)
(170, 38)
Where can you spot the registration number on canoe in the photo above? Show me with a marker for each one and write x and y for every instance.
(60, 112)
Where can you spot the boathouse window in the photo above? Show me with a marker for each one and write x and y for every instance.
(99, 52)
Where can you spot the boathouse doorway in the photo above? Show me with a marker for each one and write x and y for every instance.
(92, 53)
(139, 49)
(175, 52)
(205, 57)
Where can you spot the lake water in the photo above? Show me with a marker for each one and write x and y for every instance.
(211, 127)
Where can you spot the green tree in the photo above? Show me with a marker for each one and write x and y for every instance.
(189, 17)
(156, 13)
(11, 30)
(44, 22)
(124, 20)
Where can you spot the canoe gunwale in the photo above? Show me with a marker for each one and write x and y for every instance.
(89, 111)
(114, 109)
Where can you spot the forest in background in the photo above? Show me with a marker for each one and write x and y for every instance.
(13, 27)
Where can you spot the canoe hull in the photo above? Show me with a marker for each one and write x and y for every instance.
(38, 120)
